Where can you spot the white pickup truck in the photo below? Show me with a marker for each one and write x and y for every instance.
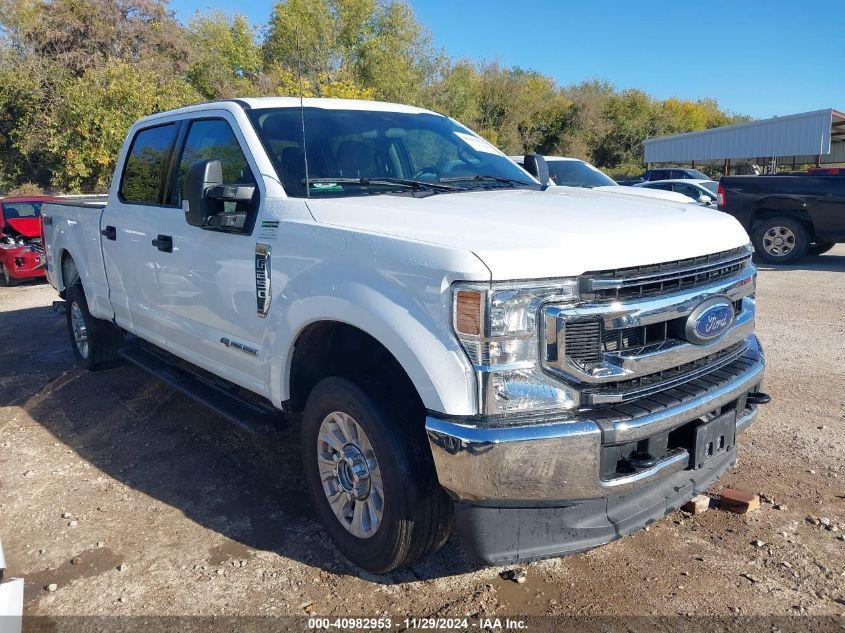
(546, 372)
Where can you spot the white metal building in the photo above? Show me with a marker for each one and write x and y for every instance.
(810, 137)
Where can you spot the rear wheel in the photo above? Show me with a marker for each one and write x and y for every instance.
(371, 477)
(820, 248)
(94, 341)
(780, 240)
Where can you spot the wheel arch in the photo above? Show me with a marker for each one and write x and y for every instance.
(434, 374)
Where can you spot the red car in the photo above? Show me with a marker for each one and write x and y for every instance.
(21, 251)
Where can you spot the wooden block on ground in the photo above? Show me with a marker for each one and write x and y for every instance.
(739, 501)
(697, 505)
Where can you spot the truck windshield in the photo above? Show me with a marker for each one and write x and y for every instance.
(576, 173)
(370, 152)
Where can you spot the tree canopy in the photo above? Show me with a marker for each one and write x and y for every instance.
(75, 74)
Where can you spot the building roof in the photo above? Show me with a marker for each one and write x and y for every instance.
(805, 134)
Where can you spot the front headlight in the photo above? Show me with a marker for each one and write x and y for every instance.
(497, 327)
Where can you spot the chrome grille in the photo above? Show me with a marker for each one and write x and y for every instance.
(656, 279)
(587, 340)
(626, 390)
(615, 352)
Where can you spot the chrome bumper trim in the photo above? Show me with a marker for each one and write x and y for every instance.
(560, 460)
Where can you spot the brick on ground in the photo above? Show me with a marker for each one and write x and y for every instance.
(739, 501)
(697, 505)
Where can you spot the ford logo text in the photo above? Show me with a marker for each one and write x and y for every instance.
(709, 320)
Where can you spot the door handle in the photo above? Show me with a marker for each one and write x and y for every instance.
(110, 233)
(164, 243)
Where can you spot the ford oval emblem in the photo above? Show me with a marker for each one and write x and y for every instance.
(709, 320)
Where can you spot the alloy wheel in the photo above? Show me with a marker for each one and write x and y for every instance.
(779, 241)
(350, 474)
(80, 330)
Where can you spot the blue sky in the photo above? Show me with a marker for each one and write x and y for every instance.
(756, 58)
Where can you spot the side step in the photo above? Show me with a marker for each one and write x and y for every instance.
(252, 416)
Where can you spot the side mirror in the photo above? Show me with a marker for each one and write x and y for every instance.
(536, 165)
(205, 194)
(705, 199)
(201, 177)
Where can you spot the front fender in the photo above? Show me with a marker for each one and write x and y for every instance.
(397, 291)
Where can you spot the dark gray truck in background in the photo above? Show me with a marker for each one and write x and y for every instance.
(787, 217)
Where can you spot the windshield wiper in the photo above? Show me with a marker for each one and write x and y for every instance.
(402, 182)
(477, 177)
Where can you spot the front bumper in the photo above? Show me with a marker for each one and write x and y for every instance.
(555, 462)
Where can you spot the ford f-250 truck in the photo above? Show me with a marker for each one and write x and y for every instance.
(545, 372)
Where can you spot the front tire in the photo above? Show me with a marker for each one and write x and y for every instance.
(94, 341)
(780, 240)
(371, 476)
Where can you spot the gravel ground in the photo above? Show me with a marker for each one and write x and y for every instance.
(133, 500)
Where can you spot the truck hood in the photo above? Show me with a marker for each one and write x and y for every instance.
(27, 227)
(528, 234)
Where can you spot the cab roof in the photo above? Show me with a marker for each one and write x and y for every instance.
(291, 102)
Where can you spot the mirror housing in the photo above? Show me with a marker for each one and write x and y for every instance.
(705, 199)
(536, 165)
(205, 195)
(201, 177)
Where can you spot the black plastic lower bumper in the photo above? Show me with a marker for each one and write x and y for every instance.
(505, 535)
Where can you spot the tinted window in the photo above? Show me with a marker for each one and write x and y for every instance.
(214, 139)
(13, 210)
(663, 186)
(350, 145)
(658, 174)
(696, 175)
(576, 173)
(143, 175)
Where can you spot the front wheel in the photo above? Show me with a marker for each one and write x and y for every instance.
(371, 476)
(94, 340)
(780, 240)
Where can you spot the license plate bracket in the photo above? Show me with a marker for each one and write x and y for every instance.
(714, 438)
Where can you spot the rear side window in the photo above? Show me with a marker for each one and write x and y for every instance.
(143, 174)
(658, 174)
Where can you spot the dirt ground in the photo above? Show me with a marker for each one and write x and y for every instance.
(133, 500)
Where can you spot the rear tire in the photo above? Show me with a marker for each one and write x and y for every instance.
(406, 514)
(780, 240)
(820, 248)
(94, 341)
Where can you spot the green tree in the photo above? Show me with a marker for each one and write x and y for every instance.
(92, 115)
(226, 58)
(377, 45)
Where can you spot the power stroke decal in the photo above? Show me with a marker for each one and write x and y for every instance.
(246, 349)
(262, 278)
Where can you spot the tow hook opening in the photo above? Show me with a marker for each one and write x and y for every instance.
(758, 397)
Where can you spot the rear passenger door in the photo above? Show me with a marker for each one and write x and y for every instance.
(129, 224)
(207, 278)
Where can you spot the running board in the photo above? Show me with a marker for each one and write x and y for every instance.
(220, 396)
